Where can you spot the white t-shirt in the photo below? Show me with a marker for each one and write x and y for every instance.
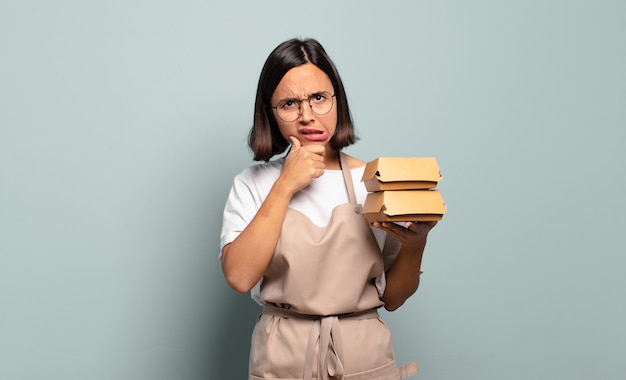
(316, 201)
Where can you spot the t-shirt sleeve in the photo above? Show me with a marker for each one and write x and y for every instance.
(239, 210)
(390, 250)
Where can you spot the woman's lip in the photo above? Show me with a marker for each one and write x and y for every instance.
(313, 134)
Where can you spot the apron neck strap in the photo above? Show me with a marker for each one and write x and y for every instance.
(347, 178)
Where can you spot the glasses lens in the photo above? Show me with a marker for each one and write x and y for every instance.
(289, 110)
(321, 103)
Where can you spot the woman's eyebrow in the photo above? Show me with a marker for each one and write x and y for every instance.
(288, 98)
(306, 97)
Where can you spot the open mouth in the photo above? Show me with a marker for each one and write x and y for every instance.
(312, 134)
(311, 131)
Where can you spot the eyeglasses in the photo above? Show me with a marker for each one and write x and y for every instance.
(289, 110)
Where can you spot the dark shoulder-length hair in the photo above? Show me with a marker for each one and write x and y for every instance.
(264, 138)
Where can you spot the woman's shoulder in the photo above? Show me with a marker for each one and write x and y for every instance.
(353, 162)
(261, 171)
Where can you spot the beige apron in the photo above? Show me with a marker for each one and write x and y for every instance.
(320, 319)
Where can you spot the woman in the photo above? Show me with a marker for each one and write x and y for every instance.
(293, 233)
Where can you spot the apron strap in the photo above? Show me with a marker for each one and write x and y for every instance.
(347, 178)
(325, 332)
(407, 370)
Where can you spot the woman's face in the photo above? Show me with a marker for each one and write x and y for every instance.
(305, 82)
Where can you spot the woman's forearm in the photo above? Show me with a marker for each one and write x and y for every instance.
(403, 277)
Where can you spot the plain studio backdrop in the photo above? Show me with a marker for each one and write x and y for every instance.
(122, 124)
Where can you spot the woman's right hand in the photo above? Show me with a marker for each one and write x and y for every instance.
(302, 165)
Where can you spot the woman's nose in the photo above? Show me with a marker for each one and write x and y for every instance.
(306, 113)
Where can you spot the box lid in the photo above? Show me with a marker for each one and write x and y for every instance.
(387, 173)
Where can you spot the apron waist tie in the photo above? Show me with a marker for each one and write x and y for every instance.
(325, 331)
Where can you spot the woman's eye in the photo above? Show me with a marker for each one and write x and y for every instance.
(288, 104)
(319, 98)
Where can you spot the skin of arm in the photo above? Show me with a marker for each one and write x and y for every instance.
(246, 258)
(403, 276)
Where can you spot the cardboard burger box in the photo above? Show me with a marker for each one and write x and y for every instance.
(403, 189)
(399, 173)
(404, 205)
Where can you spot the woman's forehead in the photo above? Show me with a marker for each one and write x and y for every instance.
(301, 81)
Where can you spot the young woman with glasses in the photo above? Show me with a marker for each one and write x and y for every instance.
(294, 236)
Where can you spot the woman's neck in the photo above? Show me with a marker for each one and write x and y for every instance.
(331, 159)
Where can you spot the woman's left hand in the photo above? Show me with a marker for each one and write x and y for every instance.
(412, 234)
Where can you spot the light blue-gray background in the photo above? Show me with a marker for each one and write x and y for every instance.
(123, 123)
